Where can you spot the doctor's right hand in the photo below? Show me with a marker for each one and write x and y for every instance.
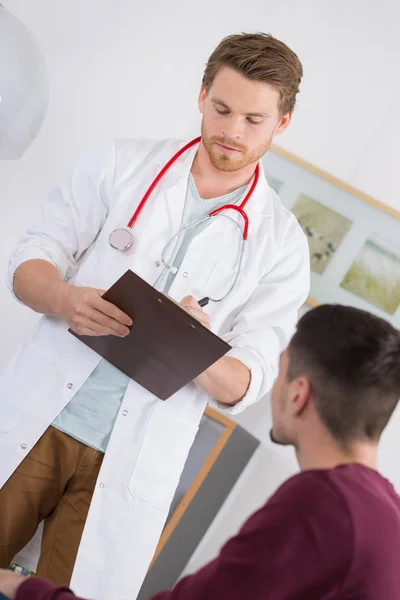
(87, 313)
(190, 304)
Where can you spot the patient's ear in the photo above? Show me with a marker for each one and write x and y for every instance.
(299, 394)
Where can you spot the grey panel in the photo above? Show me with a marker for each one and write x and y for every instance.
(200, 513)
(209, 433)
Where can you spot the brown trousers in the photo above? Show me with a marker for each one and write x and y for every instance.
(54, 483)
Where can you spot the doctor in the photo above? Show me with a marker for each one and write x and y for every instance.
(83, 448)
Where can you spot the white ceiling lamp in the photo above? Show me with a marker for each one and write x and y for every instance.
(23, 87)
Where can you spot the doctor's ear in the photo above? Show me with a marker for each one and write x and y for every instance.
(283, 123)
(202, 98)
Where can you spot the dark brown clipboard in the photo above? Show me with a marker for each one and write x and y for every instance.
(167, 347)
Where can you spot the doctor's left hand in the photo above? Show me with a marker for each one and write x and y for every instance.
(10, 582)
(190, 304)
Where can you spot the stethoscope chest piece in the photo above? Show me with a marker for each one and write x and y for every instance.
(121, 239)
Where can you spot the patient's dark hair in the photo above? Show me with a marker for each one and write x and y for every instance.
(352, 359)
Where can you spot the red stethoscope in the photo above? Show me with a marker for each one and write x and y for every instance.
(122, 238)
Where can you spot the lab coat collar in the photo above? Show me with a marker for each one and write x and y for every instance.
(175, 184)
(181, 168)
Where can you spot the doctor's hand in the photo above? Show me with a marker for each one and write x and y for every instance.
(10, 582)
(190, 304)
(87, 313)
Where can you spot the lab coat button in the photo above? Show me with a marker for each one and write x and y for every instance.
(157, 263)
(185, 274)
(101, 485)
(70, 386)
(24, 446)
(124, 412)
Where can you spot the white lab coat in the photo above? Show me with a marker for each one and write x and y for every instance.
(151, 438)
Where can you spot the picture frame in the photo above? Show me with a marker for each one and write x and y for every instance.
(353, 238)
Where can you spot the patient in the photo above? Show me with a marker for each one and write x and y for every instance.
(333, 530)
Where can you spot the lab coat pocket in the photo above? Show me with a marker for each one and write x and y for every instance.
(161, 459)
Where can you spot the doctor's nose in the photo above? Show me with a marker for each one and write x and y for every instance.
(234, 128)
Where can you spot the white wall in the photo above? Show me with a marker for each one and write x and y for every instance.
(125, 68)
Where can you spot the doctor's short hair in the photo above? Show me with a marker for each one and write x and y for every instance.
(259, 57)
(352, 360)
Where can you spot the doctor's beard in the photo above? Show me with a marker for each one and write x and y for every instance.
(230, 161)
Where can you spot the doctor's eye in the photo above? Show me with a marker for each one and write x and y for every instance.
(252, 122)
(222, 112)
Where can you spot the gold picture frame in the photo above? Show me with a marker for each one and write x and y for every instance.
(376, 286)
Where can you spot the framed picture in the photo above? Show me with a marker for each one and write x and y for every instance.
(354, 240)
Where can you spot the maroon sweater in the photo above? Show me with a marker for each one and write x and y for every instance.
(325, 534)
